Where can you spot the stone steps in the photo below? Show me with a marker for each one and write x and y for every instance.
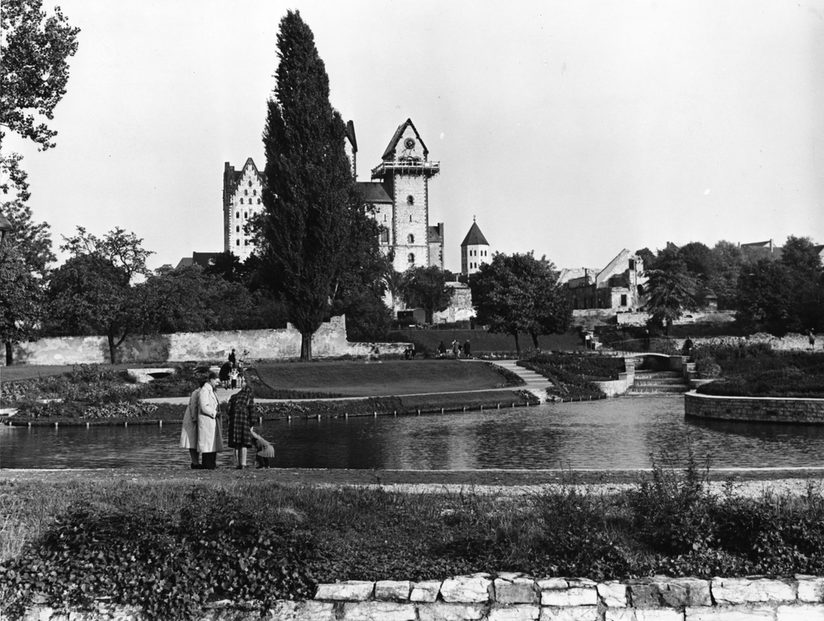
(652, 382)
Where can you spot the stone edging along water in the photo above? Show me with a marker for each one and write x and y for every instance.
(517, 597)
(754, 409)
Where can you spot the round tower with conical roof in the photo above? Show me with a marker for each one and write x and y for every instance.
(475, 250)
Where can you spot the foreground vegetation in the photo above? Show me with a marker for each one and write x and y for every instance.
(173, 546)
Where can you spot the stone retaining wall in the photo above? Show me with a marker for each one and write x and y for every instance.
(329, 341)
(517, 597)
(755, 409)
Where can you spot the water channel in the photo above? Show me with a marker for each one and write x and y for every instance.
(611, 434)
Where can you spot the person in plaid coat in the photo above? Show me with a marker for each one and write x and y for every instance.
(241, 411)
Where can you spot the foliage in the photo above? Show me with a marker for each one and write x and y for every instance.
(519, 293)
(217, 545)
(670, 289)
(785, 295)
(173, 547)
(367, 316)
(34, 48)
(573, 375)
(671, 509)
(309, 197)
(191, 299)
(91, 292)
(425, 287)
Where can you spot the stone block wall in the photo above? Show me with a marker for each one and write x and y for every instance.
(518, 597)
(752, 409)
(329, 341)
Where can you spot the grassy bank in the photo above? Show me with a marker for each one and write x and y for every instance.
(173, 545)
(100, 394)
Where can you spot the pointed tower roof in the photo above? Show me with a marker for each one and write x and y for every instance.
(474, 237)
(390, 149)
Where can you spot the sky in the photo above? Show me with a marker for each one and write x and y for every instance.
(571, 129)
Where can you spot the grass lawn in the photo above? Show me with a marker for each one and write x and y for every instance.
(354, 378)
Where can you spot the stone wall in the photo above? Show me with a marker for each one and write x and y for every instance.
(788, 342)
(328, 342)
(751, 409)
(517, 597)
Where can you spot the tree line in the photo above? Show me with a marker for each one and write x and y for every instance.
(772, 290)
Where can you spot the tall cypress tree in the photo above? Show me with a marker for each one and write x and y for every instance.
(309, 197)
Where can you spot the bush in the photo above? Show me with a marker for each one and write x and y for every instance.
(218, 546)
(671, 509)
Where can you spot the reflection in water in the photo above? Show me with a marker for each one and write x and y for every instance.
(609, 434)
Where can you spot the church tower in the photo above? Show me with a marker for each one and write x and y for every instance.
(475, 250)
(404, 174)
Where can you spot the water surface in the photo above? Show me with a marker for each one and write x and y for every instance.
(610, 434)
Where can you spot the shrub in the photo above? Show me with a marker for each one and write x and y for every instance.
(217, 547)
(671, 509)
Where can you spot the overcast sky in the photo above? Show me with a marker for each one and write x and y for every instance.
(574, 129)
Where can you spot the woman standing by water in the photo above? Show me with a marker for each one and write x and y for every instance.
(188, 435)
(241, 411)
(209, 437)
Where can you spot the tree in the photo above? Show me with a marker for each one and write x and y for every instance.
(34, 70)
(34, 49)
(91, 292)
(425, 287)
(670, 288)
(24, 259)
(806, 276)
(765, 297)
(309, 197)
(520, 293)
(726, 259)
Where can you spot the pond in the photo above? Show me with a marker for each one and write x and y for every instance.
(611, 434)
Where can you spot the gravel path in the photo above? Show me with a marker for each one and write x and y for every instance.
(500, 482)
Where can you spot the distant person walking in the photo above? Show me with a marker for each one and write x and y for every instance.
(466, 349)
(233, 359)
(188, 434)
(241, 412)
(456, 348)
(811, 338)
(686, 350)
(441, 350)
(209, 436)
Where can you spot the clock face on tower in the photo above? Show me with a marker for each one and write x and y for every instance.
(409, 143)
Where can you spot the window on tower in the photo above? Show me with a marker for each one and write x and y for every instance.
(411, 258)
(384, 235)
(237, 214)
(410, 200)
(410, 239)
(241, 201)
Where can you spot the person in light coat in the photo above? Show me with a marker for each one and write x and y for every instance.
(188, 435)
(209, 436)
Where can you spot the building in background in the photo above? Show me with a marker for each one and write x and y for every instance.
(620, 286)
(475, 250)
(241, 200)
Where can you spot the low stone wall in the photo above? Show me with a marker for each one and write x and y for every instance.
(788, 342)
(752, 409)
(516, 597)
(329, 341)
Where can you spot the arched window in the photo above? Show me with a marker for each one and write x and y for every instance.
(411, 258)
(250, 183)
(237, 214)
(258, 201)
(410, 217)
(237, 229)
(410, 200)
(254, 192)
(384, 235)
(241, 201)
(410, 239)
